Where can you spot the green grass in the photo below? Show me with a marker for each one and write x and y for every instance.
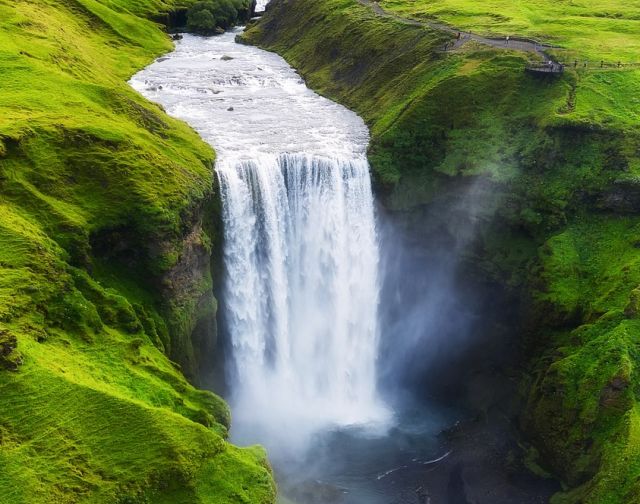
(588, 29)
(84, 155)
(589, 273)
(112, 421)
(103, 199)
(548, 168)
(469, 112)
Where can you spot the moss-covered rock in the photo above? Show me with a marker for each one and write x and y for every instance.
(10, 358)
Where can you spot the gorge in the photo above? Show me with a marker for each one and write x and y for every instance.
(356, 252)
(302, 288)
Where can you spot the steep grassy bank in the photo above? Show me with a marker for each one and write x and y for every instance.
(546, 172)
(107, 223)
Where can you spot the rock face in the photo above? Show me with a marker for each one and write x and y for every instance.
(10, 359)
(532, 199)
(188, 287)
(185, 286)
(623, 197)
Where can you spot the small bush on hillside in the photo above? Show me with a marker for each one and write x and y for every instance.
(200, 18)
(205, 16)
(242, 8)
(226, 14)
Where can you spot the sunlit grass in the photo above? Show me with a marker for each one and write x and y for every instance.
(589, 29)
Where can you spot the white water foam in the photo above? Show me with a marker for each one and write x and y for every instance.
(261, 5)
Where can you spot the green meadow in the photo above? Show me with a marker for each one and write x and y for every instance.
(587, 29)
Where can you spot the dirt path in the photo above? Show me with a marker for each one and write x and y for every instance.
(514, 44)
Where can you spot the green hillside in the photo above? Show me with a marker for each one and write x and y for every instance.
(105, 201)
(548, 169)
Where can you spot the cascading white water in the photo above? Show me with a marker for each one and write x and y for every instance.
(301, 293)
(301, 254)
(302, 290)
(261, 5)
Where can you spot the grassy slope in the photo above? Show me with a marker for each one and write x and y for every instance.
(91, 409)
(555, 164)
(589, 29)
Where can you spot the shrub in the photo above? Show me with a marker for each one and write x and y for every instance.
(205, 16)
(226, 14)
(243, 8)
(200, 18)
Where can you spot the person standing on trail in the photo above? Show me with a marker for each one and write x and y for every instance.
(506, 40)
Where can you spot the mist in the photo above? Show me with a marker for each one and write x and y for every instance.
(431, 311)
(432, 321)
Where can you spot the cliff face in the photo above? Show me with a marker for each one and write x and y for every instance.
(107, 226)
(545, 172)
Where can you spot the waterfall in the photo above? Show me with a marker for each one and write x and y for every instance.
(301, 291)
(261, 5)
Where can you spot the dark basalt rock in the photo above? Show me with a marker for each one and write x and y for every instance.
(613, 394)
(10, 359)
(317, 492)
(622, 197)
